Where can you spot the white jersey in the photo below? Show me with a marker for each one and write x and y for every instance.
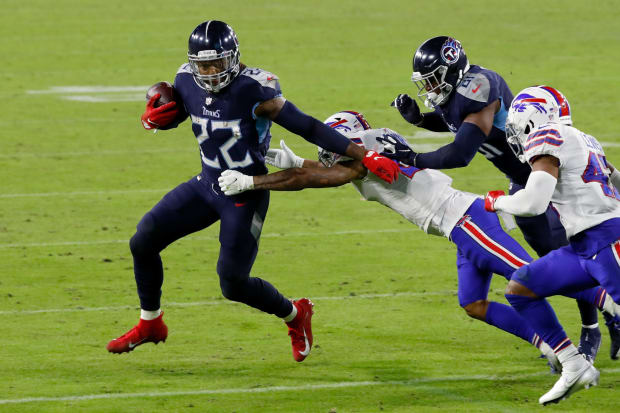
(584, 195)
(423, 196)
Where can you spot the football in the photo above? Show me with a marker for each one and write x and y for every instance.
(168, 94)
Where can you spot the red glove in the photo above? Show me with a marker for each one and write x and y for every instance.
(381, 166)
(489, 200)
(157, 117)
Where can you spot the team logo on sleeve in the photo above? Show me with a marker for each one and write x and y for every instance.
(451, 50)
(524, 100)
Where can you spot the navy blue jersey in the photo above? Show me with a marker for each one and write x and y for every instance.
(229, 135)
(479, 88)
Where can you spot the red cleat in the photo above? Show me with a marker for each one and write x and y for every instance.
(300, 329)
(147, 331)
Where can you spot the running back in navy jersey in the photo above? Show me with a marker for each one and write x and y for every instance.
(229, 135)
(479, 88)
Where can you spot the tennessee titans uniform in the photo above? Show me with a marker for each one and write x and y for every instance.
(229, 136)
(479, 88)
(589, 207)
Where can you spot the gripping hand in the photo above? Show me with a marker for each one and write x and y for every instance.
(489, 200)
(381, 166)
(158, 117)
(397, 150)
(408, 108)
(283, 158)
(234, 182)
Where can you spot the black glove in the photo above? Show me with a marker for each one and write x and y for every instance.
(396, 150)
(408, 109)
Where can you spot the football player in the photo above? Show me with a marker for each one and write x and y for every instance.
(472, 102)
(231, 107)
(569, 169)
(424, 197)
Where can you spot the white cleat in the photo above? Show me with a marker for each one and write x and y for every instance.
(570, 382)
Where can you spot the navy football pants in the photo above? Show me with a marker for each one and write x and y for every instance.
(193, 206)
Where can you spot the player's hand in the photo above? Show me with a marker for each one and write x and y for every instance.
(397, 150)
(408, 108)
(234, 182)
(158, 117)
(283, 158)
(489, 200)
(381, 166)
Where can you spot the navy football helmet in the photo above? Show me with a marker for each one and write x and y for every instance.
(438, 66)
(213, 46)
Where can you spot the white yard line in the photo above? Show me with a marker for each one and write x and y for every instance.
(272, 389)
(220, 302)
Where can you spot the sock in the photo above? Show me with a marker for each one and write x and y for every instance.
(595, 296)
(292, 315)
(506, 318)
(539, 314)
(592, 326)
(149, 315)
(609, 306)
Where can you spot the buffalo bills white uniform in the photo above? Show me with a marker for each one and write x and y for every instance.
(583, 195)
(423, 196)
(589, 207)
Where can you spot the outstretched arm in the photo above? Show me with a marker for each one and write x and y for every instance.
(471, 135)
(294, 179)
(535, 197)
(287, 115)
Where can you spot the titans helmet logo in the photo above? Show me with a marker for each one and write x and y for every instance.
(450, 51)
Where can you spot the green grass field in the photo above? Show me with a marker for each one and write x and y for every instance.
(78, 172)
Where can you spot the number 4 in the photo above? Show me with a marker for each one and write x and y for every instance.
(598, 171)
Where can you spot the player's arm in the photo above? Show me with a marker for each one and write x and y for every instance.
(311, 176)
(471, 135)
(614, 177)
(410, 111)
(535, 197)
(294, 179)
(287, 115)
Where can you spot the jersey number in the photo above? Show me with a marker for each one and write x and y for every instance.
(597, 171)
(235, 129)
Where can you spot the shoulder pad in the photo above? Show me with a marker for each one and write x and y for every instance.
(546, 140)
(184, 68)
(475, 86)
(264, 78)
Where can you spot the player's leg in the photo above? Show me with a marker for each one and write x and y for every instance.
(605, 267)
(242, 221)
(545, 233)
(559, 272)
(179, 213)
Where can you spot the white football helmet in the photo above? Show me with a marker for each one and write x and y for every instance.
(532, 107)
(348, 123)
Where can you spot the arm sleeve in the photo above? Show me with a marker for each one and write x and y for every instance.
(311, 129)
(615, 178)
(434, 122)
(457, 153)
(531, 200)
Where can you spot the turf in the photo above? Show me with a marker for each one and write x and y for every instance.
(78, 172)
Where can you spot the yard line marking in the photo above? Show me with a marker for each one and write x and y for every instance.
(88, 89)
(270, 389)
(272, 235)
(224, 301)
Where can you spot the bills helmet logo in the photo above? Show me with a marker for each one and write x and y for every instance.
(524, 100)
(451, 51)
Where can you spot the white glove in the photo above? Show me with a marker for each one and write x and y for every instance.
(234, 182)
(283, 158)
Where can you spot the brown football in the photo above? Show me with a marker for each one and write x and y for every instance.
(168, 94)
